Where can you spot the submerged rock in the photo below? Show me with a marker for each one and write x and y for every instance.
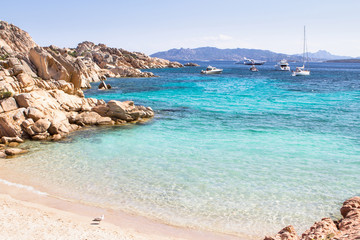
(14, 151)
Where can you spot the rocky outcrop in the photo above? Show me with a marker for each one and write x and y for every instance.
(79, 66)
(345, 229)
(40, 88)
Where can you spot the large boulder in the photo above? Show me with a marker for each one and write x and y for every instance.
(41, 126)
(117, 109)
(349, 205)
(92, 118)
(23, 99)
(47, 66)
(6, 140)
(350, 224)
(59, 123)
(69, 102)
(8, 104)
(40, 99)
(10, 126)
(14, 151)
(26, 82)
(34, 113)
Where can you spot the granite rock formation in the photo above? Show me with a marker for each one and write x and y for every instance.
(40, 87)
(347, 228)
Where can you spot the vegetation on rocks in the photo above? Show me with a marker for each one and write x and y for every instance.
(5, 94)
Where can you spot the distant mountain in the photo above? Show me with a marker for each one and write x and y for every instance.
(325, 55)
(238, 54)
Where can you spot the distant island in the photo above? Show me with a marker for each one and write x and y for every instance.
(238, 54)
(351, 60)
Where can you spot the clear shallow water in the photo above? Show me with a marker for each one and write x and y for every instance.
(240, 152)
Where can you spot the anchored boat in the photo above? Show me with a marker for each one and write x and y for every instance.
(283, 65)
(211, 70)
(301, 71)
(253, 62)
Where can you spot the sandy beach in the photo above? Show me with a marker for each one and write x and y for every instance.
(24, 220)
(29, 215)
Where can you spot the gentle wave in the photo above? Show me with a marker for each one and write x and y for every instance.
(28, 188)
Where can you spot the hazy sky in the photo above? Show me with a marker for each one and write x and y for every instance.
(158, 25)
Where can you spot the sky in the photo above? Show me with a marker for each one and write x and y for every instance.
(158, 25)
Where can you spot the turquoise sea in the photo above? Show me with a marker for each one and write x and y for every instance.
(241, 152)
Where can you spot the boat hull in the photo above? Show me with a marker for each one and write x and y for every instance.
(302, 73)
(280, 68)
(212, 72)
(254, 63)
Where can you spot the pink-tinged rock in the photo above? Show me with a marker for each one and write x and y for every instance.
(9, 104)
(10, 126)
(13, 62)
(287, 233)
(350, 225)
(41, 136)
(105, 121)
(23, 100)
(2, 154)
(56, 137)
(41, 126)
(27, 123)
(59, 123)
(18, 69)
(324, 229)
(6, 140)
(25, 80)
(34, 113)
(350, 204)
(14, 151)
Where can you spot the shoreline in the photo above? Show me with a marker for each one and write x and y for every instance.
(78, 213)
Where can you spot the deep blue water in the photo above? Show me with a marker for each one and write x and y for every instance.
(240, 152)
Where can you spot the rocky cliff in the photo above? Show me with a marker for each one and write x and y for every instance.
(347, 228)
(40, 87)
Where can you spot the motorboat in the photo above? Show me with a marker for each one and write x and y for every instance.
(253, 62)
(254, 69)
(211, 70)
(283, 65)
(301, 71)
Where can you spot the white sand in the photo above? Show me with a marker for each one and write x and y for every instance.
(24, 220)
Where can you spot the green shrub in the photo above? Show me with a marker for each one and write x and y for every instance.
(5, 94)
(55, 50)
(3, 57)
(72, 53)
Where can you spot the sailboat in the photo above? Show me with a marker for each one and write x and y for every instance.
(300, 71)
